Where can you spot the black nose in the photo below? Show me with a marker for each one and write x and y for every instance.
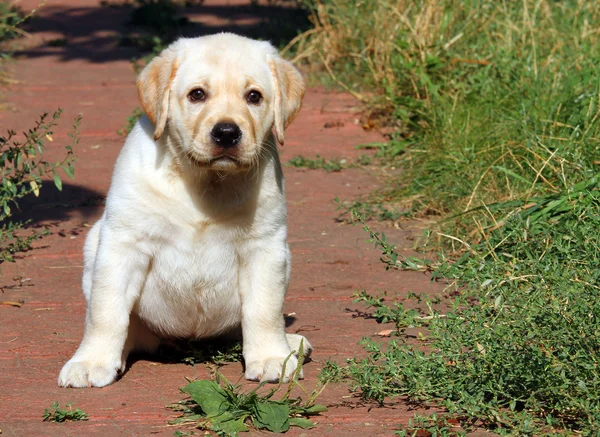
(226, 134)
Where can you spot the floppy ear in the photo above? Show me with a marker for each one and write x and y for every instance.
(289, 92)
(154, 87)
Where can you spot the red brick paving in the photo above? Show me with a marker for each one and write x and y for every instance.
(93, 76)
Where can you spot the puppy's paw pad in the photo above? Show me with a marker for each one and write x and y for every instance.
(81, 374)
(270, 369)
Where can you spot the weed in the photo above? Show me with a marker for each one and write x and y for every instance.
(431, 426)
(389, 255)
(225, 408)
(131, 121)
(368, 209)
(22, 171)
(183, 433)
(329, 165)
(395, 313)
(10, 18)
(57, 414)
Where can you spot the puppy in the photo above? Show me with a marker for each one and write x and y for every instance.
(193, 241)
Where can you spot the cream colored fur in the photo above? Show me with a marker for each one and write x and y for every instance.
(193, 241)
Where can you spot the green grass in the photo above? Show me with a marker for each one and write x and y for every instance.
(518, 349)
(495, 110)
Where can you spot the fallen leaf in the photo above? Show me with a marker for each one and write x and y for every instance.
(386, 332)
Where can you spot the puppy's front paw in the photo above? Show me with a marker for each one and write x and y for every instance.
(270, 369)
(80, 373)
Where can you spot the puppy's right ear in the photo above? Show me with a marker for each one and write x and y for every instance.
(154, 87)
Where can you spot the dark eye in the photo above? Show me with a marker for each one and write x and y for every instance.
(254, 97)
(197, 95)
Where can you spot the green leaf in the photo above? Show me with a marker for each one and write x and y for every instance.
(185, 419)
(209, 396)
(315, 409)
(57, 181)
(274, 416)
(511, 173)
(69, 170)
(302, 422)
(230, 425)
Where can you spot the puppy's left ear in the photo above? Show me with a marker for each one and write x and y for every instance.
(154, 87)
(289, 92)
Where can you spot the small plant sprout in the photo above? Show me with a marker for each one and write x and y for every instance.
(58, 414)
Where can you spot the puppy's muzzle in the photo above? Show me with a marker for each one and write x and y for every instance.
(226, 135)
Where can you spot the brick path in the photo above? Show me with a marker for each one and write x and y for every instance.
(93, 76)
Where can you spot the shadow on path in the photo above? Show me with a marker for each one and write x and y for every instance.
(53, 206)
(103, 34)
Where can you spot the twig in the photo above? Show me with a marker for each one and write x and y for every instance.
(464, 243)
(17, 304)
(539, 173)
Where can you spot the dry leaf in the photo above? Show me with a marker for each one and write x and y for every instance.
(386, 332)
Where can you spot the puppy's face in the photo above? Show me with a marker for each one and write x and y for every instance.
(218, 97)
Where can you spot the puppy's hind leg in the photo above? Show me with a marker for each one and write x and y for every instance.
(90, 248)
(139, 338)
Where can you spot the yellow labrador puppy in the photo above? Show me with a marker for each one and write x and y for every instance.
(193, 241)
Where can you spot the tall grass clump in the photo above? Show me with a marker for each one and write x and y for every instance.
(491, 101)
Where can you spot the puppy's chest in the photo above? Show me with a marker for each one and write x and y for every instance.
(189, 262)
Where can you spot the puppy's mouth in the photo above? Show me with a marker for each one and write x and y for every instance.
(225, 162)
(222, 163)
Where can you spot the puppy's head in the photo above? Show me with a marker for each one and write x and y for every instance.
(218, 97)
